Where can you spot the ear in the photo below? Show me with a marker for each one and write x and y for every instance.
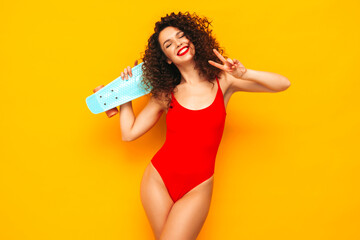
(169, 62)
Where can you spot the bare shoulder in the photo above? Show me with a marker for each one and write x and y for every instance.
(225, 83)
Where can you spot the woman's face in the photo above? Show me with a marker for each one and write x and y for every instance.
(172, 41)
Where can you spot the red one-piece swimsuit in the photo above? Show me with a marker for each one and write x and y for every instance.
(187, 157)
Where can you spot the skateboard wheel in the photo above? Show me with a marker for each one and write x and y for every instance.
(98, 88)
(112, 112)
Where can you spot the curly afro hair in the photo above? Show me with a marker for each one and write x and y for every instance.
(161, 77)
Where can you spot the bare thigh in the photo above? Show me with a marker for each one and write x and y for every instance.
(189, 213)
(155, 199)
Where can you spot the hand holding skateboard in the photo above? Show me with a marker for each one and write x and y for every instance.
(127, 71)
(121, 90)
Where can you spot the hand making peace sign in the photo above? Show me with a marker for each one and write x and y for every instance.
(233, 67)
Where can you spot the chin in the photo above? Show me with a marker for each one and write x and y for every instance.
(185, 61)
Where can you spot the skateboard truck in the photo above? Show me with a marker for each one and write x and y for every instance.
(111, 112)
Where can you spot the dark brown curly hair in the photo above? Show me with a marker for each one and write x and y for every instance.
(161, 77)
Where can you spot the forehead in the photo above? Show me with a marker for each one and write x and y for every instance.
(167, 33)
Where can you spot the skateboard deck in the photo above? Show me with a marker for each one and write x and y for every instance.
(118, 92)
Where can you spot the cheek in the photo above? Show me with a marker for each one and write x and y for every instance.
(166, 53)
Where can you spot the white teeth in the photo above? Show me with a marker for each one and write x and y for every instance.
(182, 51)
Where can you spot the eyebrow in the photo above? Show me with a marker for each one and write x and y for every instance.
(175, 35)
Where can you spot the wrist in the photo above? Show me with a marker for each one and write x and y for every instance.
(247, 74)
(126, 104)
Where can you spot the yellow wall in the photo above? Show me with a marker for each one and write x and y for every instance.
(288, 163)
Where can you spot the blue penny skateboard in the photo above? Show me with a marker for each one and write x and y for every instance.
(119, 91)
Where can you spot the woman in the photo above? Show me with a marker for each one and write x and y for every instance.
(193, 87)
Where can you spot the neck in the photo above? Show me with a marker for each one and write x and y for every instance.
(190, 75)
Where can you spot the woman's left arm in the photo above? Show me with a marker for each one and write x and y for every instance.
(273, 81)
(243, 79)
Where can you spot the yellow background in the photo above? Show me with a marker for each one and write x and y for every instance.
(288, 163)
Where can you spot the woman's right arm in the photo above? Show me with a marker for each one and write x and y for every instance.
(127, 119)
(133, 127)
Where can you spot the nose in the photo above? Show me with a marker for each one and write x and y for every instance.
(178, 42)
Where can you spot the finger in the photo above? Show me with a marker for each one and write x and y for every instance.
(126, 73)
(238, 63)
(129, 71)
(231, 61)
(219, 55)
(215, 64)
(122, 76)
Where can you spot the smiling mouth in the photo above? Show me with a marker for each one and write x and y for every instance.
(183, 52)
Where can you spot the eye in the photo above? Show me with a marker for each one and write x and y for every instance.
(183, 35)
